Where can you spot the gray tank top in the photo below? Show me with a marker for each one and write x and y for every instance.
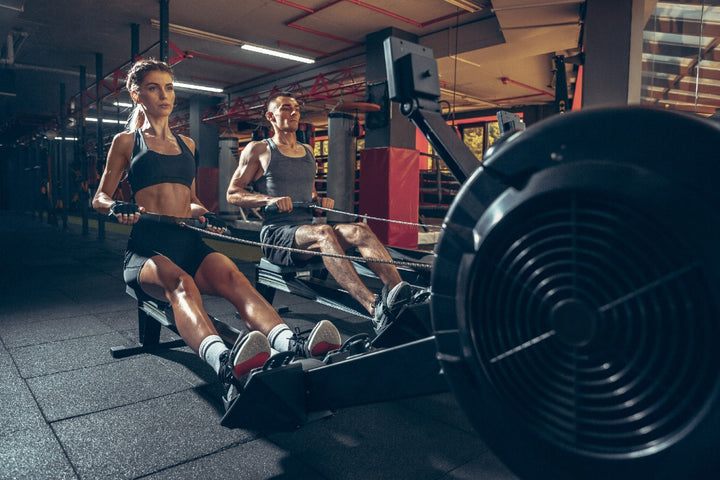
(288, 177)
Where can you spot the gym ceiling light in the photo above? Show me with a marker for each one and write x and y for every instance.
(192, 86)
(214, 37)
(468, 5)
(276, 53)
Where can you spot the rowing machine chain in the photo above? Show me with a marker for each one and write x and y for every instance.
(230, 238)
(368, 217)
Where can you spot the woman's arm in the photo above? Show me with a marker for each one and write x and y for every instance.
(117, 162)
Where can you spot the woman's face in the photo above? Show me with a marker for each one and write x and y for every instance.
(156, 94)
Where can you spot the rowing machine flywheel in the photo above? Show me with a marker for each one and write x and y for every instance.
(575, 297)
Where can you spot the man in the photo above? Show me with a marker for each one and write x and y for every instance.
(282, 171)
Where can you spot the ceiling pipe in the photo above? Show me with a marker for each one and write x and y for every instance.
(506, 80)
(309, 12)
(521, 97)
(291, 4)
(536, 5)
(40, 68)
(385, 12)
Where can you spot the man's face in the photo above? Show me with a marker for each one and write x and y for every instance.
(284, 113)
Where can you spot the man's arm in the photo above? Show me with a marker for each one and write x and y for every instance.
(325, 202)
(249, 169)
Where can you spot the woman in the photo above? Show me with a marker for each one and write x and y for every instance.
(174, 264)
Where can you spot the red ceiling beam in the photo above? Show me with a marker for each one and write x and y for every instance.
(321, 34)
(310, 11)
(324, 86)
(521, 97)
(506, 80)
(385, 12)
(107, 89)
(291, 4)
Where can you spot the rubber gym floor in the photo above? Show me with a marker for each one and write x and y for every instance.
(71, 411)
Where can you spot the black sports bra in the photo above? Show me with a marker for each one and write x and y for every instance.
(151, 168)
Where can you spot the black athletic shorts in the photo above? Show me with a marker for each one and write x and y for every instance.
(284, 236)
(182, 246)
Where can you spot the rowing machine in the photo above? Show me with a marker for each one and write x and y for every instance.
(574, 300)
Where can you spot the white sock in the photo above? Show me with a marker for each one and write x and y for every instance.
(279, 337)
(210, 350)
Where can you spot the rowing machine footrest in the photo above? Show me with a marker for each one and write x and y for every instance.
(411, 323)
(273, 399)
(355, 345)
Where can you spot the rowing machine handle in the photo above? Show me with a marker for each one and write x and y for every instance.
(273, 208)
(154, 217)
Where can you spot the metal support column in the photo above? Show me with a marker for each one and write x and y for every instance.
(134, 41)
(210, 188)
(82, 153)
(164, 29)
(613, 52)
(227, 163)
(64, 194)
(341, 164)
(100, 142)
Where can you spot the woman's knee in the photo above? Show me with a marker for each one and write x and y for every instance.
(183, 285)
(161, 278)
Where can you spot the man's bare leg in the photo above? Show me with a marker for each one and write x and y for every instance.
(360, 236)
(322, 238)
(396, 292)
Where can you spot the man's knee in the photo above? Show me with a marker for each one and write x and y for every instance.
(324, 232)
(358, 233)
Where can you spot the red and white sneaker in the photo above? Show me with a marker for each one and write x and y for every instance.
(249, 352)
(323, 338)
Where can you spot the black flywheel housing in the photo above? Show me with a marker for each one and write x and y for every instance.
(575, 297)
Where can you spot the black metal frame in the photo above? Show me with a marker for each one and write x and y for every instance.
(152, 316)
(310, 281)
(313, 281)
(293, 394)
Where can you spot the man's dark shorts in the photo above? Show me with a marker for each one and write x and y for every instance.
(284, 236)
(184, 247)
